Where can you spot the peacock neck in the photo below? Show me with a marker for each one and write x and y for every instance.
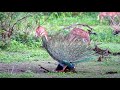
(44, 40)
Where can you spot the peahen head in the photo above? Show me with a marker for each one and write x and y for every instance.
(41, 32)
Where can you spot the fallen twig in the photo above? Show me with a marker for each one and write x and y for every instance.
(44, 68)
(111, 72)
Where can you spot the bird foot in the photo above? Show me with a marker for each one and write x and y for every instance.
(66, 70)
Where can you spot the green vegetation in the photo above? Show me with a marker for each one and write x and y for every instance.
(23, 46)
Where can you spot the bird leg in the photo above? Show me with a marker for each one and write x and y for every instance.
(60, 68)
(64, 69)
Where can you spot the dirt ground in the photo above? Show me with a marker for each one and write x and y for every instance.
(85, 70)
(33, 66)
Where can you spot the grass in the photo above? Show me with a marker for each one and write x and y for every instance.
(92, 69)
(19, 52)
(113, 47)
(22, 52)
(105, 34)
(25, 55)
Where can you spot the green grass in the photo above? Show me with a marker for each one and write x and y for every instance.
(91, 69)
(17, 51)
(23, 55)
(20, 75)
(20, 52)
(105, 34)
(103, 30)
(113, 47)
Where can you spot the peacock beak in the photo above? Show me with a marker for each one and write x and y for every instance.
(38, 34)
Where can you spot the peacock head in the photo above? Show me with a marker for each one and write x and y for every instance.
(41, 31)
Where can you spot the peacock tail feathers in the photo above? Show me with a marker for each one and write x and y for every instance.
(61, 49)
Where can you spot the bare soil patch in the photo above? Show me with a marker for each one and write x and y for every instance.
(33, 66)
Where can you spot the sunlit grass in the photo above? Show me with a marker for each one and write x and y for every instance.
(30, 51)
(113, 47)
(25, 55)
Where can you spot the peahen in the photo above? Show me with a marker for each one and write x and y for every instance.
(67, 52)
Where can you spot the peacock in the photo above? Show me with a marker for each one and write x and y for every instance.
(67, 52)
